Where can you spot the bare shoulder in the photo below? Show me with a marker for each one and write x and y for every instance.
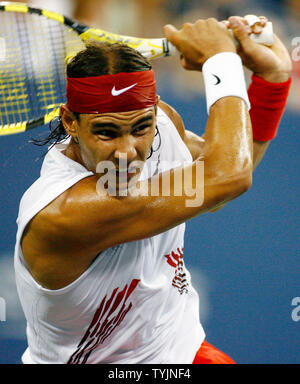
(175, 117)
(60, 230)
(194, 142)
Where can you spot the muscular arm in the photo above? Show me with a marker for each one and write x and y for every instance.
(79, 224)
(227, 174)
(272, 64)
(63, 239)
(196, 143)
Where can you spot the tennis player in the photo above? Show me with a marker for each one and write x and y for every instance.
(101, 276)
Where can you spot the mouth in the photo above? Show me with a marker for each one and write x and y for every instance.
(126, 174)
(116, 181)
(121, 177)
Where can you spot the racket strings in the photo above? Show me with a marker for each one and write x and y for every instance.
(11, 93)
(35, 45)
(32, 71)
(48, 91)
(13, 73)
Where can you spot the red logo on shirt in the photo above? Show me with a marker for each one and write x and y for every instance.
(175, 260)
(104, 323)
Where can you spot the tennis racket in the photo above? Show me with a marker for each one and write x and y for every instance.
(34, 46)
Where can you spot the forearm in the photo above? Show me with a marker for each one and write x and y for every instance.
(274, 77)
(268, 100)
(228, 138)
(259, 151)
(260, 114)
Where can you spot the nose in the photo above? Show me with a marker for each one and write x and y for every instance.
(126, 149)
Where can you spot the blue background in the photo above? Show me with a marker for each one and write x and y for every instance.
(244, 259)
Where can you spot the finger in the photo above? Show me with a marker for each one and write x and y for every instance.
(187, 65)
(255, 23)
(263, 20)
(257, 29)
(252, 19)
(240, 32)
(226, 23)
(243, 20)
(171, 33)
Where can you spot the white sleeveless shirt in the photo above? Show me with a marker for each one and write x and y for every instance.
(134, 304)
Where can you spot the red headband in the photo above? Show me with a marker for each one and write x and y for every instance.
(111, 93)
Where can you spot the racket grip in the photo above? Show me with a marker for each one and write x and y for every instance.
(265, 37)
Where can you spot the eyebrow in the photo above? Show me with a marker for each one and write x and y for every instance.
(99, 125)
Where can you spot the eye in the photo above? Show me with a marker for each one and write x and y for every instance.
(106, 134)
(140, 130)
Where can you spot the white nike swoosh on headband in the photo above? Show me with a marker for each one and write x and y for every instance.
(115, 92)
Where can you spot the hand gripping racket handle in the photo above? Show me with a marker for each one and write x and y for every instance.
(265, 37)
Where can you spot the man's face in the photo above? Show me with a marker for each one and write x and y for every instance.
(120, 138)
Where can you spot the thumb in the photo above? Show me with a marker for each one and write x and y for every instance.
(240, 32)
(171, 34)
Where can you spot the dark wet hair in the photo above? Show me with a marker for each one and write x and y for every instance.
(99, 58)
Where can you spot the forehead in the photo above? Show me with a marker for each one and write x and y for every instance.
(121, 118)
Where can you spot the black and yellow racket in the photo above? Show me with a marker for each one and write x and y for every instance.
(34, 45)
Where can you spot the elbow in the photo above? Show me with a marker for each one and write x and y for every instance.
(227, 186)
(241, 180)
(243, 183)
(237, 184)
(246, 184)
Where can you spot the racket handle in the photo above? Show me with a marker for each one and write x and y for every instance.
(265, 37)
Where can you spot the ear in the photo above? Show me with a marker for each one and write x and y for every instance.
(156, 104)
(69, 121)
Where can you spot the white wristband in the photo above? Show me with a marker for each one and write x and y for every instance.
(224, 76)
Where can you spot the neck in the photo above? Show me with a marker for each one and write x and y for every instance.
(72, 152)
